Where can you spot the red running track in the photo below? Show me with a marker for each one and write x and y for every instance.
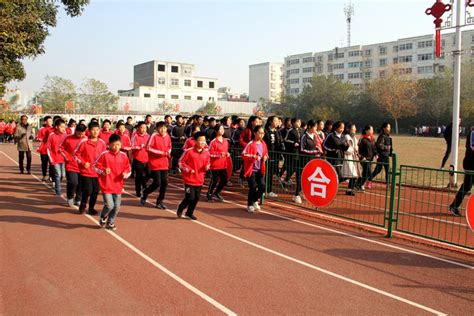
(56, 261)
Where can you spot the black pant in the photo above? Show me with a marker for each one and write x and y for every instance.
(191, 198)
(366, 173)
(73, 185)
(218, 179)
(141, 177)
(463, 190)
(90, 189)
(446, 154)
(176, 153)
(352, 183)
(256, 187)
(21, 157)
(272, 166)
(44, 165)
(382, 162)
(160, 180)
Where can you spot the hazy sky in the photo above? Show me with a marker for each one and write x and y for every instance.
(222, 38)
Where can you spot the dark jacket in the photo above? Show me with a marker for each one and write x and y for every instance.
(273, 140)
(129, 128)
(367, 149)
(335, 146)
(293, 137)
(384, 145)
(176, 133)
(236, 136)
(468, 162)
(210, 134)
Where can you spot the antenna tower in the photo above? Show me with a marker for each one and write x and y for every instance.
(349, 12)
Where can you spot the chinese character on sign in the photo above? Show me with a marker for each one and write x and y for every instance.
(319, 183)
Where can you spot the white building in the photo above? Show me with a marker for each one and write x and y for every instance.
(170, 81)
(265, 81)
(414, 56)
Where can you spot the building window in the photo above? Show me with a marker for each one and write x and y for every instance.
(187, 97)
(395, 48)
(338, 66)
(355, 75)
(368, 63)
(308, 69)
(211, 84)
(472, 38)
(199, 98)
(308, 60)
(320, 58)
(405, 71)
(161, 96)
(187, 83)
(424, 44)
(395, 60)
(354, 53)
(175, 82)
(174, 96)
(382, 62)
(161, 67)
(330, 67)
(161, 81)
(406, 46)
(425, 70)
(146, 95)
(211, 98)
(354, 64)
(294, 81)
(368, 52)
(319, 69)
(367, 75)
(294, 91)
(339, 76)
(273, 86)
(382, 73)
(199, 84)
(307, 79)
(330, 57)
(382, 50)
(293, 71)
(339, 55)
(174, 69)
(405, 59)
(293, 62)
(425, 56)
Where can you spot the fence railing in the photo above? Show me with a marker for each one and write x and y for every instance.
(409, 199)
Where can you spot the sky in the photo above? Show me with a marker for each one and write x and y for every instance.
(222, 38)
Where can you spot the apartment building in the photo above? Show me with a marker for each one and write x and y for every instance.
(266, 81)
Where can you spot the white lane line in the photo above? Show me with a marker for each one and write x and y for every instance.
(311, 266)
(187, 285)
(345, 233)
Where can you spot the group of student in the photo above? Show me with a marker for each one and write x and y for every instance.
(7, 129)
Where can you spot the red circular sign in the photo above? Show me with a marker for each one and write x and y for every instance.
(470, 212)
(319, 182)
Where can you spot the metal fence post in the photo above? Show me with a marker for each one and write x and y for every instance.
(393, 186)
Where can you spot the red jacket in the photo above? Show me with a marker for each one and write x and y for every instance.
(126, 143)
(105, 135)
(194, 165)
(9, 128)
(88, 151)
(245, 137)
(67, 147)
(42, 137)
(249, 155)
(69, 131)
(139, 143)
(216, 150)
(2, 127)
(159, 151)
(52, 147)
(119, 165)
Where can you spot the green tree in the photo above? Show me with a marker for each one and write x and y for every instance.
(95, 97)
(210, 108)
(24, 27)
(435, 98)
(164, 107)
(55, 92)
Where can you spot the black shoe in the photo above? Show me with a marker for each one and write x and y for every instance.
(143, 200)
(455, 211)
(179, 213)
(82, 210)
(160, 206)
(209, 198)
(191, 216)
(219, 197)
(351, 193)
(111, 227)
(102, 221)
(92, 212)
(22, 172)
(28, 172)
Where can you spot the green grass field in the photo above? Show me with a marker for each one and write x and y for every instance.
(424, 151)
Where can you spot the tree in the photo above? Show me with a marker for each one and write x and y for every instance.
(435, 98)
(95, 97)
(24, 27)
(210, 108)
(55, 92)
(164, 107)
(396, 94)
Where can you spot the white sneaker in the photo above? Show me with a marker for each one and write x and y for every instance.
(297, 199)
(256, 206)
(250, 209)
(272, 195)
(70, 202)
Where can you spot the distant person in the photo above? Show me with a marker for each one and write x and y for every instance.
(468, 166)
(24, 140)
(384, 151)
(448, 134)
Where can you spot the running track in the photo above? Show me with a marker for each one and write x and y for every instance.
(56, 261)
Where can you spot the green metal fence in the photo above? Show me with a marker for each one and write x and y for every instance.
(424, 197)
